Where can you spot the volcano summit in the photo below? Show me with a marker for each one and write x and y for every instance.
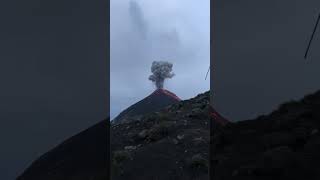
(159, 99)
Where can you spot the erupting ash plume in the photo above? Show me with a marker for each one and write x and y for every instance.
(161, 70)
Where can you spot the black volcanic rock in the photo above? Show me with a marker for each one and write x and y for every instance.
(172, 143)
(159, 99)
(282, 145)
(82, 157)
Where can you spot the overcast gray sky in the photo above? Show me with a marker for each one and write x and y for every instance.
(258, 54)
(143, 31)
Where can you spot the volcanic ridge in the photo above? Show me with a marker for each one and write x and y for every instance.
(159, 99)
(282, 145)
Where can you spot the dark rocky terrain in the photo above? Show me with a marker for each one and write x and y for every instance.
(82, 157)
(282, 145)
(169, 144)
(172, 143)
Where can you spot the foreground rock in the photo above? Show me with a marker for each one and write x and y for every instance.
(170, 144)
(282, 145)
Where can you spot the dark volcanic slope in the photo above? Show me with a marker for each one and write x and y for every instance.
(217, 118)
(170, 144)
(82, 157)
(154, 102)
(282, 145)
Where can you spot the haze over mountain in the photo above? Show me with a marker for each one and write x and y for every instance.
(170, 30)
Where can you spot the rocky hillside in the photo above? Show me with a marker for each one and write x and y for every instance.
(282, 145)
(81, 157)
(169, 144)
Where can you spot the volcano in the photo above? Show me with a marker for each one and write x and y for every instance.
(156, 101)
(159, 99)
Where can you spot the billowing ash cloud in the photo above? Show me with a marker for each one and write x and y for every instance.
(161, 70)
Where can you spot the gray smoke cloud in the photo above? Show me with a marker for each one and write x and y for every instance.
(161, 70)
(138, 20)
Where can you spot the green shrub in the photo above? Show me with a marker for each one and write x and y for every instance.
(120, 156)
(160, 130)
(198, 162)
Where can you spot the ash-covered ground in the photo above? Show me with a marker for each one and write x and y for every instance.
(169, 144)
